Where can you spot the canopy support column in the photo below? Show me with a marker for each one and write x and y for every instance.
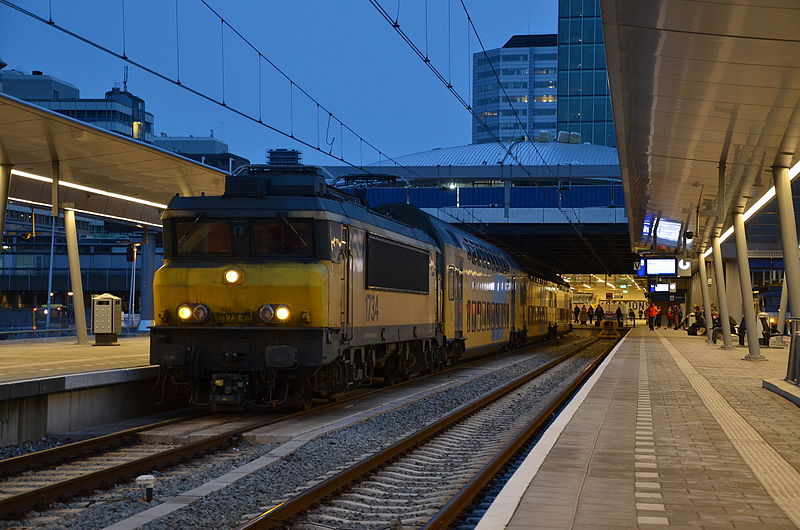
(146, 285)
(706, 297)
(784, 304)
(746, 286)
(76, 281)
(786, 221)
(722, 297)
(5, 184)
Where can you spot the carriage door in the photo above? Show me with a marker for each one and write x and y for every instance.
(459, 297)
(346, 305)
(513, 316)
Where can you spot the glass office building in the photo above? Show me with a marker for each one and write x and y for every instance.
(526, 66)
(584, 102)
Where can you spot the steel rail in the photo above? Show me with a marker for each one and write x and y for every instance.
(279, 515)
(462, 500)
(44, 496)
(61, 453)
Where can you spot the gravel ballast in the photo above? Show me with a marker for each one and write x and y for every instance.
(311, 462)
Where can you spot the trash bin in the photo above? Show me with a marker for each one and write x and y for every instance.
(106, 319)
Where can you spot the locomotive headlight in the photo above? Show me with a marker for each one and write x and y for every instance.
(193, 312)
(282, 312)
(266, 312)
(233, 276)
(185, 312)
(200, 313)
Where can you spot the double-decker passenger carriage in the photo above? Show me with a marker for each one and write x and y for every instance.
(284, 289)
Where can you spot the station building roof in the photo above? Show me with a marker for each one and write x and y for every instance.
(528, 154)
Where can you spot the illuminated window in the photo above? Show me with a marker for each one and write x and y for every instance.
(544, 98)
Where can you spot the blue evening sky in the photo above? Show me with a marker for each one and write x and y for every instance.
(342, 52)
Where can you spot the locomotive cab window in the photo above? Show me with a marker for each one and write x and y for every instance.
(283, 237)
(203, 238)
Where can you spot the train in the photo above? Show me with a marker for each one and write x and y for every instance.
(285, 289)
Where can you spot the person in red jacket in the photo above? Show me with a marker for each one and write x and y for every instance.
(652, 312)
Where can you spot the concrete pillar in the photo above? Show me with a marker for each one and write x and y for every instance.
(746, 287)
(5, 183)
(722, 298)
(786, 221)
(706, 296)
(732, 289)
(76, 281)
(782, 312)
(146, 285)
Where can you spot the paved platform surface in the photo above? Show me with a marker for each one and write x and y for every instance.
(674, 433)
(30, 360)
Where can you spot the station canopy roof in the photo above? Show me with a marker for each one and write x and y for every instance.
(695, 84)
(101, 172)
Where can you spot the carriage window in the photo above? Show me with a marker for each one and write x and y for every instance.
(451, 284)
(201, 238)
(283, 237)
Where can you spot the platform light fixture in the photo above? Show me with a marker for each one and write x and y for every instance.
(88, 212)
(755, 208)
(88, 189)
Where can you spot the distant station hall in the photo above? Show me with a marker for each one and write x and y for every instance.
(593, 326)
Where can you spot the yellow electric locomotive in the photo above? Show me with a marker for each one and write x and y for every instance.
(284, 289)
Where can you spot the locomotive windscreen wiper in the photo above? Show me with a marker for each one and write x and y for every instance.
(190, 231)
(285, 220)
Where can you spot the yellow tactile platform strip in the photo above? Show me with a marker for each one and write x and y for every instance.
(644, 450)
(779, 478)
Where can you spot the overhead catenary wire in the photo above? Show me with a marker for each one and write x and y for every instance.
(524, 128)
(222, 103)
(212, 99)
(508, 149)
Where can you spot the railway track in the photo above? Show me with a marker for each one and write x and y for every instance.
(432, 476)
(36, 480)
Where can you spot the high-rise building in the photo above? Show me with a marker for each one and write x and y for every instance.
(584, 101)
(207, 150)
(526, 66)
(119, 111)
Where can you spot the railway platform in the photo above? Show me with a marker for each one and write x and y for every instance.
(673, 433)
(30, 360)
(59, 386)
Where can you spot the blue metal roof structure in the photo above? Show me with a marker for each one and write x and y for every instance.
(528, 153)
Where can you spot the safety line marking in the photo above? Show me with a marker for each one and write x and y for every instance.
(779, 478)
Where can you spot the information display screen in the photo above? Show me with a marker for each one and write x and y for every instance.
(660, 266)
(661, 287)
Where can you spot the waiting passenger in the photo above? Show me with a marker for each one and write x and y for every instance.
(599, 314)
(632, 317)
(584, 315)
(652, 311)
(591, 314)
(618, 314)
(577, 312)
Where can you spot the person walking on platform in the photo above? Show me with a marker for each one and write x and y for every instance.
(618, 315)
(670, 317)
(641, 314)
(577, 312)
(632, 317)
(659, 317)
(584, 315)
(599, 314)
(652, 311)
(679, 318)
(591, 314)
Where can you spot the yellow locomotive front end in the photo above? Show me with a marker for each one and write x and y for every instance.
(243, 302)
